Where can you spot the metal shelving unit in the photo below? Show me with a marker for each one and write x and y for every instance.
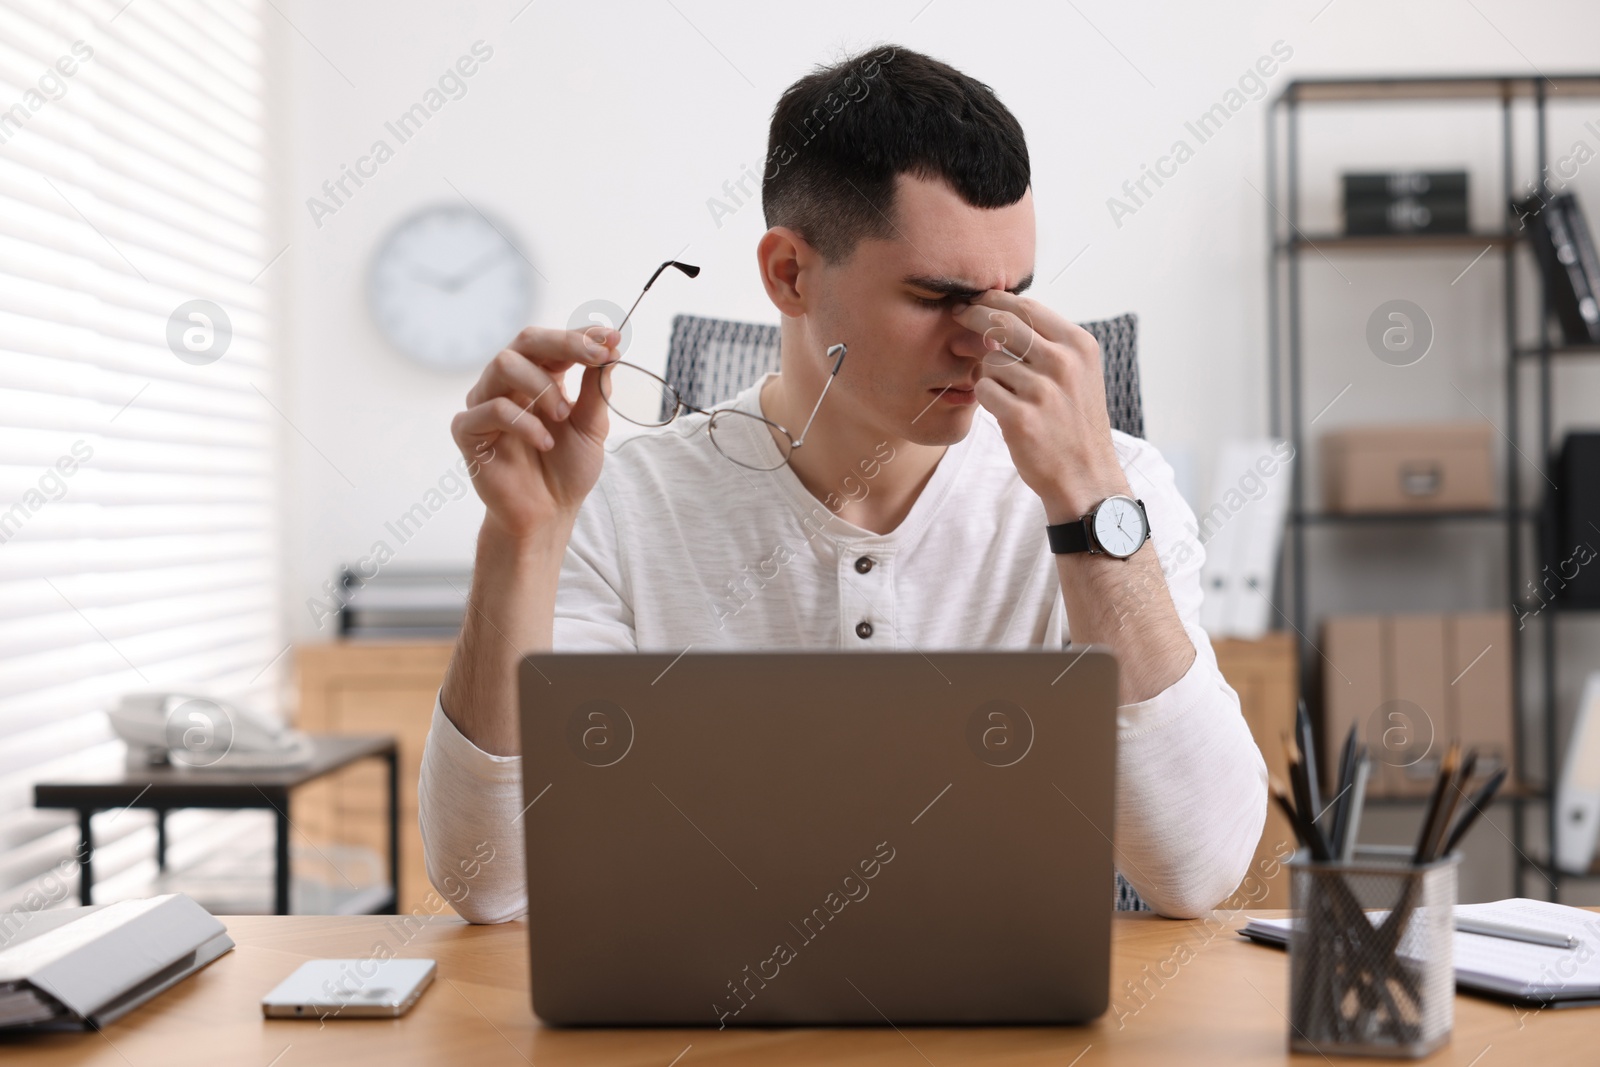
(1288, 245)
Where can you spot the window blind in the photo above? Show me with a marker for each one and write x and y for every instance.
(137, 488)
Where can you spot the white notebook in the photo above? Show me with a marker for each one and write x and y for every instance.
(1506, 968)
(84, 967)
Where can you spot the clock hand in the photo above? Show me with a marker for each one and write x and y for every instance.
(452, 282)
(430, 277)
(474, 269)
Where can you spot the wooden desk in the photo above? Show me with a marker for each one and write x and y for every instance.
(1183, 993)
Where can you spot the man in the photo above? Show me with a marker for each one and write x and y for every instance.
(964, 420)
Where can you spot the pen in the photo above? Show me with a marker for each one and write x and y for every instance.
(1358, 798)
(1512, 932)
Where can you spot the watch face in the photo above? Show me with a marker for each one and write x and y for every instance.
(1119, 526)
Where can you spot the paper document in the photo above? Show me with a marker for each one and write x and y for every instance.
(1503, 966)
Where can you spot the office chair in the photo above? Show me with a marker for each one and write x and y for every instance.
(711, 360)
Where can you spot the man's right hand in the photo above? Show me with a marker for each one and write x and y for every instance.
(535, 455)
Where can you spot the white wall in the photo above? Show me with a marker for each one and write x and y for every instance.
(599, 130)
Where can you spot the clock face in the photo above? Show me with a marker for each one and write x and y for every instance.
(448, 288)
(1119, 526)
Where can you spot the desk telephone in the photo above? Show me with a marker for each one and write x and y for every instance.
(188, 730)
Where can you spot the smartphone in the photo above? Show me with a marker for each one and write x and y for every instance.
(360, 988)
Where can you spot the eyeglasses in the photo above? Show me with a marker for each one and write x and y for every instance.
(733, 433)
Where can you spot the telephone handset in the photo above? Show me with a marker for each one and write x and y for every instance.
(192, 731)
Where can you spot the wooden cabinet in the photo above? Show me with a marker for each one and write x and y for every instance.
(1264, 675)
(371, 687)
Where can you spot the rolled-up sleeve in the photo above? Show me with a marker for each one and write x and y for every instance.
(470, 803)
(1191, 781)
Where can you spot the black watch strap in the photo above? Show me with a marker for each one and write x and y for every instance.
(1070, 536)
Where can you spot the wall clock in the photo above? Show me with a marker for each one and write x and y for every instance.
(449, 288)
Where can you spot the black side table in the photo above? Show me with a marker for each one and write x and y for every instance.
(161, 789)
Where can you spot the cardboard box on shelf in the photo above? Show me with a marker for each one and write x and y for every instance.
(1445, 466)
(1411, 684)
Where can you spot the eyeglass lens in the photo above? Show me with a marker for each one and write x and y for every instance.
(644, 399)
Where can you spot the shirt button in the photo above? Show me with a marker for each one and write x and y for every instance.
(863, 629)
(864, 564)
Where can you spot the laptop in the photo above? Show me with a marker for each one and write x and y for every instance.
(795, 838)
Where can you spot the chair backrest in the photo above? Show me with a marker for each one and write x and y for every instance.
(711, 360)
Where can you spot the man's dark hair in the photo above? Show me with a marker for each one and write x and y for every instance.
(842, 134)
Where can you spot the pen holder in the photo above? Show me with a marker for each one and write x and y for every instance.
(1371, 971)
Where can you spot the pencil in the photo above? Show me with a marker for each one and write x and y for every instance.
(1309, 761)
(1453, 800)
(1302, 802)
(1447, 768)
(1297, 822)
(1280, 794)
(1476, 803)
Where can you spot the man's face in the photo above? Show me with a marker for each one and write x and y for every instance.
(891, 303)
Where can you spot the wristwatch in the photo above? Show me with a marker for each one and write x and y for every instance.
(1115, 527)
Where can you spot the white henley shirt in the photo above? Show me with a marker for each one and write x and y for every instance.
(677, 546)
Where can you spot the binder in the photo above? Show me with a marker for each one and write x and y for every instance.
(1243, 533)
(1578, 791)
(1410, 682)
(1479, 677)
(1567, 260)
(1416, 676)
(81, 968)
(1354, 691)
(1570, 528)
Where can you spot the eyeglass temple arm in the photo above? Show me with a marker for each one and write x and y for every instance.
(690, 270)
(838, 362)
